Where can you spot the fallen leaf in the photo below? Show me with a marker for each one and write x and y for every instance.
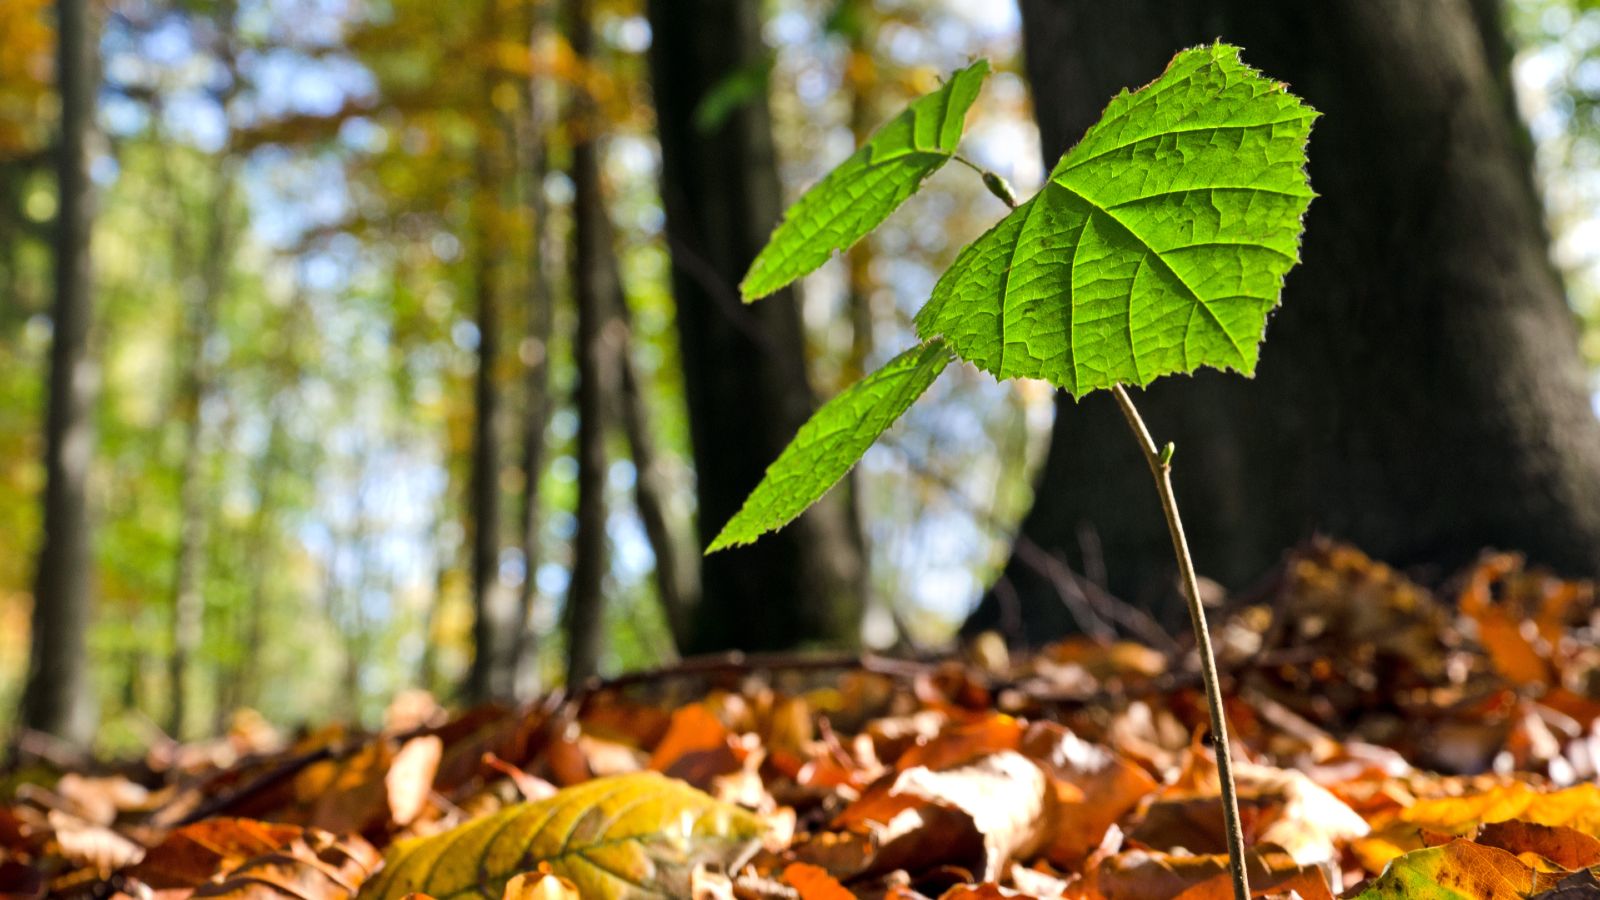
(637, 835)
(1459, 870)
(696, 747)
(318, 865)
(1568, 848)
(814, 883)
(95, 846)
(1091, 787)
(409, 780)
(1003, 793)
(1148, 875)
(194, 854)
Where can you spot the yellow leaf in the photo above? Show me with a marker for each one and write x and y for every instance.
(1459, 870)
(628, 836)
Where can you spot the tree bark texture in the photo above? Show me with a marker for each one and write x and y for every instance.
(594, 287)
(744, 366)
(494, 608)
(541, 299)
(1420, 394)
(56, 696)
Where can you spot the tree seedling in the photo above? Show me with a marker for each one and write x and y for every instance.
(1157, 245)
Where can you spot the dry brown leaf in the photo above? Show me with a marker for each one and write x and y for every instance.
(1091, 787)
(1146, 875)
(317, 866)
(409, 780)
(696, 747)
(814, 883)
(194, 854)
(1566, 847)
(347, 795)
(94, 846)
(1003, 793)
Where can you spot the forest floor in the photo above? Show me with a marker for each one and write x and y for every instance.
(1391, 741)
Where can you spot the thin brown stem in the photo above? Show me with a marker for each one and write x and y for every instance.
(1160, 461)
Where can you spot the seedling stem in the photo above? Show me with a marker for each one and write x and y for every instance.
(1160, 461)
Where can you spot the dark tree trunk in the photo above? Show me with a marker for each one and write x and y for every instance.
(56, 697)
(1420, 393)
(536, 121)
(489, 677)
(594, 288)
(492, 673)
(674, 581)
(744, 366)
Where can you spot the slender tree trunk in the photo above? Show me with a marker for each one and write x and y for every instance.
(594, 288)
(1421, 393)
(536, 356)
(259, 553)
(210, 263)
(494, 607)
(490, 624)
(56, 697)
(188, 601)
(674, 581)
(428, 665)
(744, 366)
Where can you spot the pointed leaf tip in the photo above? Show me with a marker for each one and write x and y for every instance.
(863, 190)
(831, 442)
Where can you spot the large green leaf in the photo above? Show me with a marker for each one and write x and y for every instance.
(628, 836)
(852, 199)
(1158, 244)
(831, 442)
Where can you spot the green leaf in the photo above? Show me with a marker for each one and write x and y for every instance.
(733, 91)
(852, 199)
(831, 442)
(637, 835)
(1158, 245)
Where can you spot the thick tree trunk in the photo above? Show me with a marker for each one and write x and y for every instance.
(1420, 393)
(594, 287)
(744, 366)
(56, 697)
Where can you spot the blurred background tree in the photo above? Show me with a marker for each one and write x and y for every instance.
(422, 363)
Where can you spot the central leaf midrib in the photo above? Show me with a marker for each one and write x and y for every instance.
(867, 168)
(1151, 251)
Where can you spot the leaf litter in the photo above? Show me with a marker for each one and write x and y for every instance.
(1392, 742)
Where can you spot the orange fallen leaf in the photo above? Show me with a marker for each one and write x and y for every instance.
(814, 883)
